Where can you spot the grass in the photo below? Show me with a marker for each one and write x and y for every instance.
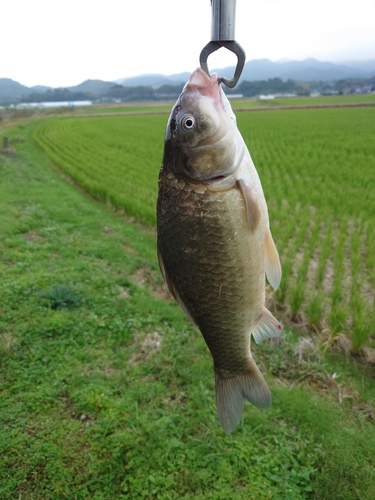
(114, 398)
(316, 202)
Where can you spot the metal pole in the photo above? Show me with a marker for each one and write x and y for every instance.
(223, 20)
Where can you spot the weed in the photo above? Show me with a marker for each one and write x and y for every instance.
(60, 296)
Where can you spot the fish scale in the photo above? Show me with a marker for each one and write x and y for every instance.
(206, 248)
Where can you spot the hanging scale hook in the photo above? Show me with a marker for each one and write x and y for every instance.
(222, 35)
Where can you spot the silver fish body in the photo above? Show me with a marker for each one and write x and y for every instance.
(214, 242)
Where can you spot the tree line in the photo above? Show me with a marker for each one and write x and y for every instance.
(170, 92)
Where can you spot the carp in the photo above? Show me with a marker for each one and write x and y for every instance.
(214, 241)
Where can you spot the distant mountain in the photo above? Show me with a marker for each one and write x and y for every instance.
(153, 80)
(263, 69)
(39, 88)
(367, 66)
(304, 71)
(10, 89)
(95, 87)
(255, 70)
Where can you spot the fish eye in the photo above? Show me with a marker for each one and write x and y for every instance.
(188, 122)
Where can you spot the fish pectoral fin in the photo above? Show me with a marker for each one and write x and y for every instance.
(170, 285)
(272, 261)
(252, 208)
(231, 393)
(267, 327)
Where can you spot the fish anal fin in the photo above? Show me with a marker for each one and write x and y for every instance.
(231, 393)
(267, 327)
(171, 287)
(252, 208)
(272, 261)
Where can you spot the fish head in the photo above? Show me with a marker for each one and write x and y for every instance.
(202, 138)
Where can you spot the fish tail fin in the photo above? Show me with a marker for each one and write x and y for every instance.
(267, 327)
(231, 393)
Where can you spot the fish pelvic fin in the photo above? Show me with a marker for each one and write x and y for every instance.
(272, 261)
(231, 393)
(267, 327)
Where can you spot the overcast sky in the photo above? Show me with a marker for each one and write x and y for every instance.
(62, 43)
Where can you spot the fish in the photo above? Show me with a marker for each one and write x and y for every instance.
(214, 241)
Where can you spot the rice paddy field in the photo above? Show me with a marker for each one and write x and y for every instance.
(317, 167)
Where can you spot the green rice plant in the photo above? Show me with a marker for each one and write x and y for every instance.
(114, 163)
(338, 314)
(284, 228)
(295, 238)
(315, 308)
(370, 251)
(301, 163)
(362, 309)
(325, 249)
(355, 251)
(281, 292)
(298, 292)
(296, 297)
(362, 327)
(295, 291)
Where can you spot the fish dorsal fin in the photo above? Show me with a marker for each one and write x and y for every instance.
(272, 261)
(252, 208)
(267, 327)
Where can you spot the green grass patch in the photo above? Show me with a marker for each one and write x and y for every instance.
(114, 398)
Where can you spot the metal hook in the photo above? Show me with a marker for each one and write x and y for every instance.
(222, 35)
(233, 47)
